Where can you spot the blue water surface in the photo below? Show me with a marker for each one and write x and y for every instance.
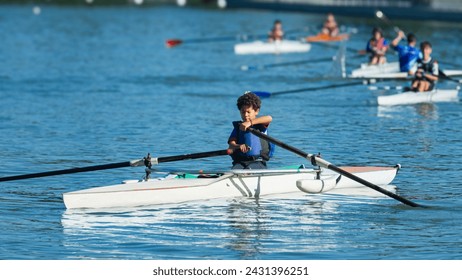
(83, 86)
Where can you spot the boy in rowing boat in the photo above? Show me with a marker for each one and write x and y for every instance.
(249, 151)
(377, 46)
(330, 26)
(425, 70)
(276, 33)
(408, 54)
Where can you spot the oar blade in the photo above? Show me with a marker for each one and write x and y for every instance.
(173, 42)
(262, 94)
(379, 14)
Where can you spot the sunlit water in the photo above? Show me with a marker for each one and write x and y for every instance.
(84, 86)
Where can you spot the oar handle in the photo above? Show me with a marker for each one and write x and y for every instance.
(190, 156)
(324, 163)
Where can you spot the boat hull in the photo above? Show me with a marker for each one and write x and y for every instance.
(389, 70)
(368, 71)
(175, 189)
(410, 97)
(327, 38)
(276, 47)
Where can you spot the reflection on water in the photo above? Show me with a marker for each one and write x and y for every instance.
(239, 228)
(428, 111)
(290, 225)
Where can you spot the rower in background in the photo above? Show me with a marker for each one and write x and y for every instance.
(377, 46)
(276, 33)
(330, 26)
(408, 54)
(425, 70)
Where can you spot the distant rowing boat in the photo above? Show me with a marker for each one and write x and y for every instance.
(184, 187)
(410, 97)
(389, 70)
(327, 38)
(366, 70)
(276, 47)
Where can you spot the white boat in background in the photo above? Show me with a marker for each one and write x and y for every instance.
(276, 47)
(185, 187)
(366, 70)
(411, 97)
(389, 70)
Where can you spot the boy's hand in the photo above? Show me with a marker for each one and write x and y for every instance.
(245, 125)
(244, 148)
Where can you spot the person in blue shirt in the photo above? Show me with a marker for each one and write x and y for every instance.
(248, 150)
(407, 54)
(377, 46)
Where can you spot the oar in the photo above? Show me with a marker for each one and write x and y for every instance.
(329, 45)
(247, 67)
(175, 42)
(269, 94)
(380, 15)
(289, 63)
(323, 163)
(444, 76)
(240, 37)
(136, 162)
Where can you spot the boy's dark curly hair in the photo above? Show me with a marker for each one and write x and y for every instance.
(249, 99)
(425, 44)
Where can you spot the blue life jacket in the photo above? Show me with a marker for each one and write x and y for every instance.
(259, 148)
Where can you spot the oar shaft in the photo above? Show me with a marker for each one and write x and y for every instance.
(269, 94)
(296, 62)
(372, 186)
(191, 156)
(444, 76)
(67, 171)
(215, 39)
(323, 163)
(329, 45)
(137, 162)
(279, 143)
(319, 88)
(379, 14)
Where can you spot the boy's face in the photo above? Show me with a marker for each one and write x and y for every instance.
(248, 113)
(427, 51)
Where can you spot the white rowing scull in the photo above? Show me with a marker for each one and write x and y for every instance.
(185, 187)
